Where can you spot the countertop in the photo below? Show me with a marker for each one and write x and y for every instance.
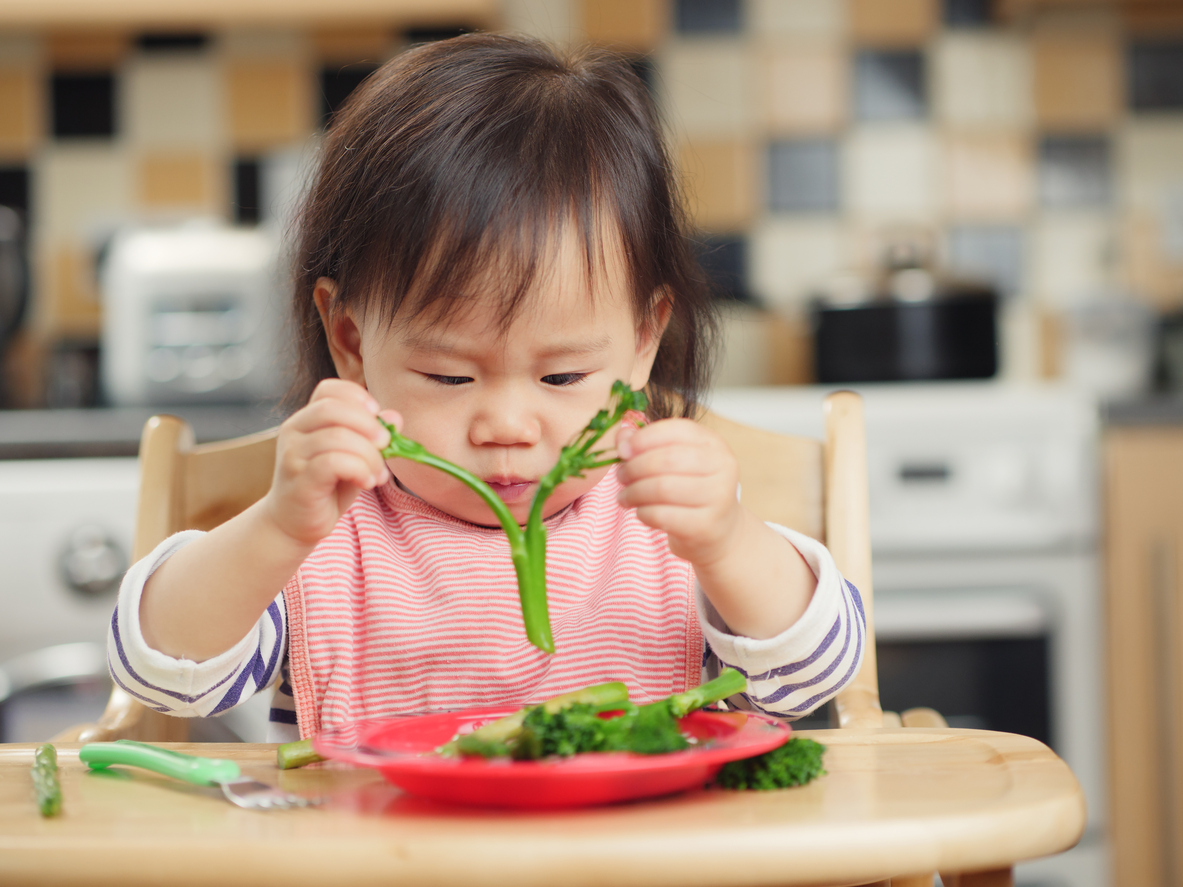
(1152, 409)
(59, 434)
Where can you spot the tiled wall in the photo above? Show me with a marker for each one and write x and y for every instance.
(1042, 149)
(103, 128)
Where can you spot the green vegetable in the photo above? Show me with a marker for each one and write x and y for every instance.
(796, 762)
(578, 728)
(45, 780)
(494, 740)
(527, 547)
(291, 755)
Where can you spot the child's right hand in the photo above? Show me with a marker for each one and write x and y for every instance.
(326, 454)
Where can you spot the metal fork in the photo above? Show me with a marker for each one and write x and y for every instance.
(238, 789)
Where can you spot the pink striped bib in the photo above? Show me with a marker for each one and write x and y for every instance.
(406, 609)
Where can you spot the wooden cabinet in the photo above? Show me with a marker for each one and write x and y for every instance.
(1144, 604)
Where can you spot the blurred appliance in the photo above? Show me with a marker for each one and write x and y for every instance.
(987, 595)
(913, 325)
(191, 313)
(66, 528)
(65, 534)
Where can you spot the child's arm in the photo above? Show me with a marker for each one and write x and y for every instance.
(207, 597)
(682, 479)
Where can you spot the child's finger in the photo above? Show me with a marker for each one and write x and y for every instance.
(683, 491)
(336, 413)
(697, 461)
(667, 432)
(331, 468)
(342, 389)
(341, 440)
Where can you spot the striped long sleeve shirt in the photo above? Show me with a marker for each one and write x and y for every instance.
(404, 609)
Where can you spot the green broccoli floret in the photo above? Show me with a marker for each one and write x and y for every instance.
(576, 727)
(796, 762)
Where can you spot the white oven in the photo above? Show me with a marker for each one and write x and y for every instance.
(987, 595)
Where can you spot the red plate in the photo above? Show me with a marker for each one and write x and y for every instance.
(402, 749)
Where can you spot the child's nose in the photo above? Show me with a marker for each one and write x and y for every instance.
(505, 427)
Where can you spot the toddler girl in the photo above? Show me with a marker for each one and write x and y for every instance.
(492, 239)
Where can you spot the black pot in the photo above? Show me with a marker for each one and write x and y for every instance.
(946, 336)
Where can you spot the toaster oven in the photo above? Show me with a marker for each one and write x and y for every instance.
(191, 312)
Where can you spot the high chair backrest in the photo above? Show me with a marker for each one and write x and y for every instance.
(816, 487)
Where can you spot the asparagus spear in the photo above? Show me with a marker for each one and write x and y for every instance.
(45, 780)
(527, 547)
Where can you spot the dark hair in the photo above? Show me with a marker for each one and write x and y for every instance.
(466, 155)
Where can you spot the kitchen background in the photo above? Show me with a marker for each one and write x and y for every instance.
(980, 199)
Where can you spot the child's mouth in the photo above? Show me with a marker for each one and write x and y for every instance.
(510, 489)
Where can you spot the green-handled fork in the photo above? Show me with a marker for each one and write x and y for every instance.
(238, 789)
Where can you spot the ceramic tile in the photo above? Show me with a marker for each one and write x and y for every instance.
(176, 181)
(1155, 71)
(725, 261)
(270, 103)
(244, 200)
(803, 175)
(993, 253)
(890, 85)
(893, 22)
(14, 187)
(79, 189)
(68, 303)
(982, 79)
(555, 21)
(433, 33)
(807, 88)
(968, 13)
(372, 43)
(1074, 171)
(1072, 257)
(1148, 160)
(1077, 79)
(708, 16)
(720, 179)
(173, 42)
(19, 49)
(337, 82)
(891, 172)
(83, 105)
(173, 100)
(797, 18)
(1153, 265)
(633, 25)
(708, 88)
(790, 259)
(20, 111)
(988, 175)
(86, 50)
(273, 43)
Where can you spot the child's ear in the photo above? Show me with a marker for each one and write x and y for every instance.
(341, 331)
(649, 337)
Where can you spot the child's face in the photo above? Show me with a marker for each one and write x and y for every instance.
(503, 402)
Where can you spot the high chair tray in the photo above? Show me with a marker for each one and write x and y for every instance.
(403, 750)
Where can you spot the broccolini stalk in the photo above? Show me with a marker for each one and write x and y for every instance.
(527, 547)
(45, 780)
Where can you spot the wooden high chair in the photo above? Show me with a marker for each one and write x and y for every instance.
(818, 488)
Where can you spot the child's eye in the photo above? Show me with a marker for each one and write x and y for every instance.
(560, 379)
(449, 380)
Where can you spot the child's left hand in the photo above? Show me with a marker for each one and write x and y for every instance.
(682, 478)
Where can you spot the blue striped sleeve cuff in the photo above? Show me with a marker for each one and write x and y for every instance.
(181, 686)
(793, 673)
